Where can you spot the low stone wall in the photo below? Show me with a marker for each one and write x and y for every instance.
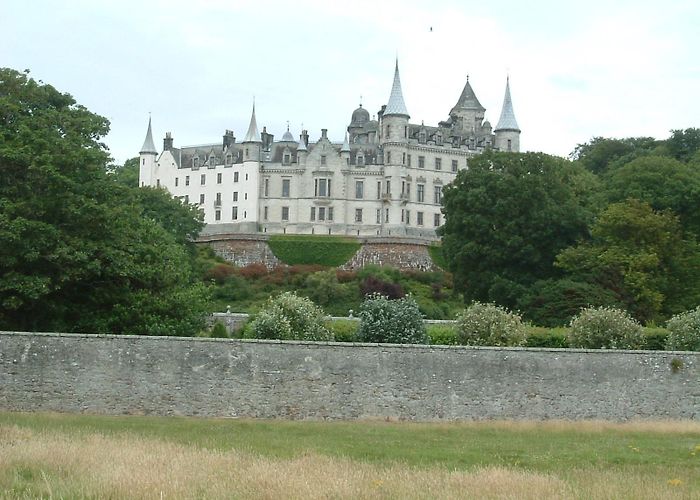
(399, 255)
(242, 251)
(303, 380)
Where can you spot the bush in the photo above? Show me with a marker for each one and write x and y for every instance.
(290, 317)
(489, 324)
(255, 270)
(218, 331)
(391, 321)
(547, 337)
(375, 286)
(605, 328)
(655, 339)
(684, 331)
(331, 251)
(344, 330)
(442, 334)
(219, 273)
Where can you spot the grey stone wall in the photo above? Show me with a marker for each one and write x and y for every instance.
(297, 380)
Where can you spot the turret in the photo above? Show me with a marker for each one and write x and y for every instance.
(468, 114)
(148, 156)
(507, 130)
(394, 119)
(251, 142)
(345, 150)
(302, 151)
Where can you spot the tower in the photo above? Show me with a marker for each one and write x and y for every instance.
(147, 159)
(507, 130)
(252, 142)
(395, 116)
(468, 114)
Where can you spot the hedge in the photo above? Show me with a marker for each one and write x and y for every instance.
(329, 251)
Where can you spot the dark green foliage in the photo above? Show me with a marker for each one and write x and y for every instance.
(441, 334)
(391, 321)
(128, 174)
(344, 330)
(438, 257)
(684, 144)
(329, 251)
(218, 331)
(601, 153)
(554, 302)
(655, 339)
(506, 218)
(542, 337)
(81, 252)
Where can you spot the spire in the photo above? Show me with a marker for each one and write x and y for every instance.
(302, 144)
(396, 105)
(148, 146)
(252, 135)
(507, 120)
(346, 145)
(467, 100)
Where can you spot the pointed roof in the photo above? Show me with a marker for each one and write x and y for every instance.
(396, 104)
(467, 100)
(302, 144)
(507, 120)
(288, 137)
(148, 146)
(346, 145)
(252, 135)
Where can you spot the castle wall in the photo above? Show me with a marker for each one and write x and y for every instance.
(117, 375)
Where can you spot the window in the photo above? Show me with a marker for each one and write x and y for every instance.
(388, 187)
(408, 160)
(419, 218)
(321, 213)
(235, 196)
(313, 214)
(285, 213)
(157, 182)
(246, 176)
(235, 177)
(217, 215)
(454, 165)
(421, 162)
(177, 181)
(286, 159)
(246, 153)
(379, 216)
(388, 131)
(436, 220)
(421, 137)
(195, 162)
(388, 156)
(420, 193)
(266, 187)
(203, 179)
(218, 178)
(438, 163)
(212, 160)
(234, 213)
(322, 187)
(359, 189)
(510, 145)
(265, 212)
(245, 196)
(438, 139)
(360, 160)
(285, 188)
(379, 190)
(187, 199)
(218, 200)
(403, 215)
(201, 199)
(386, 215)
(323, 159)
(438, 194)
(330, 213)
(405, 131)
(358, 215)
(229, 159)
(408, 217)
(187, 180)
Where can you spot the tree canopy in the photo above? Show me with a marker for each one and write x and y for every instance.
(507, 217)
(81, 252)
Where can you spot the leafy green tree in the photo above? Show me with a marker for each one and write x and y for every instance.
(602, 154)
(684, 144)
(127, 174)
(79, 251)
(641, 256)
(664, 183)
(507, 217)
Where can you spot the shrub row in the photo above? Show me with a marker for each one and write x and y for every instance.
(329, 251)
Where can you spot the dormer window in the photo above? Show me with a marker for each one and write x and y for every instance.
(229, 159)
(212, 160)
(286, 159)
(421, 137)
(195, 162)
(323, 159)
(360, 160)
(438, 139)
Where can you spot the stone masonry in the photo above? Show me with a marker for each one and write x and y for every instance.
(106, 374)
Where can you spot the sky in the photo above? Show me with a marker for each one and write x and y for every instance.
(577, 70)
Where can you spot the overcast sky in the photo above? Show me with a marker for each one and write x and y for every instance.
(577, 69)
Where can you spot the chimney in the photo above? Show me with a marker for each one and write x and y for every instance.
(168, 142)
(324, 133)
(228, 138)
(267, 139)
(305, 135)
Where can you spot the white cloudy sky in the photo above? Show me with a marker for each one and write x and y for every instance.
(578, 69)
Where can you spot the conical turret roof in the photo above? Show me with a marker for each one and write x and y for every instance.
(396, 104)
(507, 120)
(302, 144)
(252, 135)
(467, 100)
(148, 146)
(346, 145)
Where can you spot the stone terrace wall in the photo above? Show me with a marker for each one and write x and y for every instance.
(297, 380)
(242, 250)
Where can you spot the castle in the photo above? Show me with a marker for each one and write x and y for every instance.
(385, 179)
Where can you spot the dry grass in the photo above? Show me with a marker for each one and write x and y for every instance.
(54, 465)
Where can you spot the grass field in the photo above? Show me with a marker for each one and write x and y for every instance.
(69, 456)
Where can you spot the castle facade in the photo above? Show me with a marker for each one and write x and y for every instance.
(385, 179)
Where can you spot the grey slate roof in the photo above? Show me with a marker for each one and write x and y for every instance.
(252, 135)
(507, 120)
(467, 100)
(148, 146)
(396, 104)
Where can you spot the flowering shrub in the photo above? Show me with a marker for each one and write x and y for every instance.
(605, 328)
(684, 331)
(290, 317)
(489, 324)
(392, 321)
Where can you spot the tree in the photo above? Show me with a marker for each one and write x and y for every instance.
(79, 251)
(601, 153)
(664, 183)
(507, 217)
(640, 255)
(127, 174)
(683, 145)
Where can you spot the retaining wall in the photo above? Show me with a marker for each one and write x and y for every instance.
(106, 374)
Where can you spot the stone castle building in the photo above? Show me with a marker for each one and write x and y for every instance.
(385, 179)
